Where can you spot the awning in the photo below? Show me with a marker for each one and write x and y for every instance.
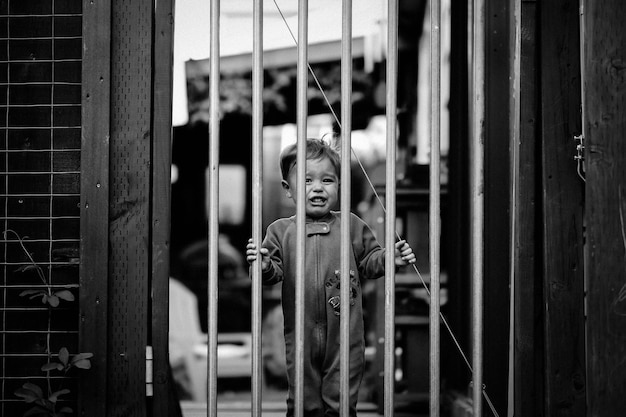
(191, 38)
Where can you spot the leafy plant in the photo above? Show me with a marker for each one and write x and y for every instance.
(48, 295)
(67, 362)
(46, 404)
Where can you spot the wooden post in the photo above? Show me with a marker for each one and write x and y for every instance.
(129, 215)
(94, 215)
(163, 404)
(562, 195)
(528, 364)
(497, 190)
(605, 153)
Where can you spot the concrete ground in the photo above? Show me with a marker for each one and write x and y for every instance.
(234, 400)
(237, 404)
(271, 409)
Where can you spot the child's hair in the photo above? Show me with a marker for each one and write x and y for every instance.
(315, 149)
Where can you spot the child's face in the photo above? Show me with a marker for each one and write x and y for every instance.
(322, 187)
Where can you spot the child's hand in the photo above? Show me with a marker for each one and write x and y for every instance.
(404, 253)
(252, 253)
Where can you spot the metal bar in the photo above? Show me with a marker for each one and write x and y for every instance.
(477, 110)
(346, 132)
(11, 15)
(58, 127)
(42, 105)
(26, 173)
(46, 332)
(40, 61)
(213, 226)
(41, 83)
(515, 72)
(390, 204)
(582, 42)
(257, 202)
(434, 215)
(53, 151)
(39, 38)
(41, 218)
(32, 355)
(53, 286)
(41, 195)
(302, 110)
(39, 241)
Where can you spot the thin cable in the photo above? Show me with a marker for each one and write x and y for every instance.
(380, 202)
(583, 108)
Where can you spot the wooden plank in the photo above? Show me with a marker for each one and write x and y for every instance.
(528, 363)
(129, 216)
(562, 210)
(456, 218)
(94, 225)
(497, 204)
(163, 403)
(605, 116)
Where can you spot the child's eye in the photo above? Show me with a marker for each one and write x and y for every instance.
(329, 180)
(308, 180)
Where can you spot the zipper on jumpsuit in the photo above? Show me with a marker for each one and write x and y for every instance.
(321, 304)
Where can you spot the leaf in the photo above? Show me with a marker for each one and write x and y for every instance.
(55, 395)
(29, 392)
(65, 411)
(52, 366)
(64, 356)
(26, 394)
(44, 298)
(34, 388)
(65, 295)
(27, 268)
(36, 411)
(82, 356)
(29, 292)
(82, 364)
(53, 300)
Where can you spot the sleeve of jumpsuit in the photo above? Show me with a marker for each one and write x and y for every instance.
(370, 256)
(272, 243)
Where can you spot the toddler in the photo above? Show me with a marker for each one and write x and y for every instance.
(322, 290)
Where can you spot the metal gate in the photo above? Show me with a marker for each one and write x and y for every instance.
(475, 61)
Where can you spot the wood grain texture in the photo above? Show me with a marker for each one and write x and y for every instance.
(562, 206)
(162, 400)
(129, 209)
(528, 365)
(605, 116)
(94, 218)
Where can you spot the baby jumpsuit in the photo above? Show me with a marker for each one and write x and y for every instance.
(322, 301)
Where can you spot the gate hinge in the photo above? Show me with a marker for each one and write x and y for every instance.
(149, 373)
(579, 157)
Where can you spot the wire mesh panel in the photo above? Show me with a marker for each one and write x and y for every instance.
(40, 129)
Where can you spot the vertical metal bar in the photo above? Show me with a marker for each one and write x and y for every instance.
(434, 215)
(514, 123)
(214, 137)
(477, 197)
(346, 131)
(302, 110)
(390, 204)
(257, 205)
(582, 41)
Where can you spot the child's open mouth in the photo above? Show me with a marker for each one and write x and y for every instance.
(317, 201)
